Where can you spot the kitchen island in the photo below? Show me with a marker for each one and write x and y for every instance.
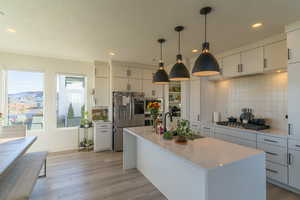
(202, 169)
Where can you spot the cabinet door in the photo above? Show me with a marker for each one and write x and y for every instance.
(101, 92)
(276, 56)
(149, 88)
(231, 65)
(101, 69)
(119, 70)
(159, 91)
(148, 74)
(119, 84)
(294, 99)
(252, 61)
(134, 73)
(293, 44)
(294, 169)
(135, 85)
(195, 100)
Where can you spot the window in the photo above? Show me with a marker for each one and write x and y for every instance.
(25, 98)
(70, 100)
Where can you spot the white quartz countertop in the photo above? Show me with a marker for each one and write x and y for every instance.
(270, 132)
(208, 153)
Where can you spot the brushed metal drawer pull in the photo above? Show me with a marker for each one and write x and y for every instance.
(273, 154)
(268, 140)
(273, 171)
(206, 128)
(297, 145)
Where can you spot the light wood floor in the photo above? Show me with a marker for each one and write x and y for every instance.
(99, 176)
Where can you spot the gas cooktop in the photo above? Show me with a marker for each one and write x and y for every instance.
(249, 126)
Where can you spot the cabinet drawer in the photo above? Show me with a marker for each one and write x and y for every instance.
(103, 126)
(272, 140)
(294, 144)
(276, 172)
(195, 126)
(274, 153)
(236, 133)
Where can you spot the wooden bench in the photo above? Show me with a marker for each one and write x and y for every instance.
(18, 181)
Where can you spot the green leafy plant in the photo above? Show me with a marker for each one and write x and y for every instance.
(168, 135)
(183, 128)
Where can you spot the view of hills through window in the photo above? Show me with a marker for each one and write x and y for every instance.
(25, 98)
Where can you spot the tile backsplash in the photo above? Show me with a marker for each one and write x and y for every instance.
(265, 94)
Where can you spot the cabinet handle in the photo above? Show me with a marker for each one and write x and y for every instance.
(271, 170)
(289, 129)
(206, 128)
(242, 68)
(268, 140)
(265, 63)
(297, 145)
(289, 159)
(238, 68)
(128, 86)
(198, 118)
(289, 54)
(273, 154)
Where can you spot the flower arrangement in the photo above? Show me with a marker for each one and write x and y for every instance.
(153, 107)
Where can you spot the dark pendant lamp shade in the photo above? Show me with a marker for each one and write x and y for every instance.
(179, 71)
(206, 64)
(161, 77)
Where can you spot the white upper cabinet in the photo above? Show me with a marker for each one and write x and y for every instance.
(120, 84)
(119, 70)
(148, 74)
(294, 99)
(133, 72)
(149, 88)
(252, 61)
(101, 69)
(219, 76)
(101, 91)
(135, 85)
(293, 45)
(275, 56)
(159, 91)
(195, 100)
(231, 65)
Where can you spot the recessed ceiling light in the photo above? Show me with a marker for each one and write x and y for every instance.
(112, 53)
(195, 50)
(278, 71)
(11, 30)
(256, 25)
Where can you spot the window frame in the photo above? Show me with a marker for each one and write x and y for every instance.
(85, 96)
(5, 95)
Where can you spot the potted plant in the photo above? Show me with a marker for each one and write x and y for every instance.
(183, 131)
(85, 122)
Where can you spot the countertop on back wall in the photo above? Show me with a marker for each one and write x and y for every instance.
(271, 131)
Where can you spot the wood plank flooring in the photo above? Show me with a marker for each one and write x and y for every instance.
(99, 176)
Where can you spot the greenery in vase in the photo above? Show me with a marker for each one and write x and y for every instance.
(168, 135)
(183, 129)
(84, 121)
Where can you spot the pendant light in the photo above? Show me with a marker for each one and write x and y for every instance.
(179, 72)
(161, 77)
(206, 64)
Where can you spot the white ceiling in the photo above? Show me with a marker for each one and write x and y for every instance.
(90, 29)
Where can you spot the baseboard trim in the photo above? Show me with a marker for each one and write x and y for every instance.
(284, 186)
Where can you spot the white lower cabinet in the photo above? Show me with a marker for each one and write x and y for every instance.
(294, 163)
(102, 136)
(277, 172)
(235, 140)
(274, 153)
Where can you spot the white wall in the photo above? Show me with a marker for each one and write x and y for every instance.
(51, 138)
(266, 94)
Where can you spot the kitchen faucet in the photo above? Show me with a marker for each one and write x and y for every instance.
(165, 120)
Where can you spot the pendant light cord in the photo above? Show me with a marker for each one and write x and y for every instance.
(205, 28)
(179, 47)
(161, 53)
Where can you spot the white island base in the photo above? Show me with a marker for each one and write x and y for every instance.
(203, 169)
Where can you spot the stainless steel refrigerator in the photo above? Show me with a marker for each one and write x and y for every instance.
(128, 111)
